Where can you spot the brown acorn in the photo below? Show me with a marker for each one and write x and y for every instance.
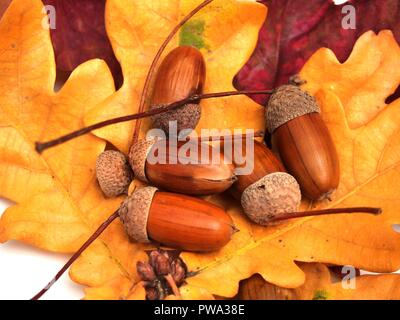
(175, 220)
(256, 288)
(195, 176)
(303, 141)
(268, 191)
(181, 74)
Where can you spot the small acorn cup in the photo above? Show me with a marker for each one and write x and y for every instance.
(181, 74)
(175, 220)
(268, 191)
(183, 170)
(303, 141)
(113, 173)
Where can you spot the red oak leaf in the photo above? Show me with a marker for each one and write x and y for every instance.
(294, 30)
(80, 35)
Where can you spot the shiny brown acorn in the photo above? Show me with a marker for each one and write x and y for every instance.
(175, 220)
(303, 141)
(181, 171)
(256, 288)
(268, 191)
(181, 74)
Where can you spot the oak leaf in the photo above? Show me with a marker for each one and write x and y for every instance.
(321, 284)
(58, 202)
(136, 31)
(294, 30)
(369, 157)
(369, 160)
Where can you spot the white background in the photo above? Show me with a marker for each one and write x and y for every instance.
(24, 270)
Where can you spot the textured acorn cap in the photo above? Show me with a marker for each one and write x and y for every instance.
(287, 103)
(273, 194)
(113, 173)
(134, 213)
(138, 155)
(186, 117)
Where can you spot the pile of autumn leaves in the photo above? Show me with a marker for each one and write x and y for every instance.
(59, 204)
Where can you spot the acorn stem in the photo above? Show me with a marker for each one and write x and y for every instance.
(171, 282)
(293, 215)
(76, 255)
(157, 58)
(41, 146)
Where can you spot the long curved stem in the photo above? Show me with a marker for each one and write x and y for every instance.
(293, 215)
(155, 61)
(75, 256)
(41, 146)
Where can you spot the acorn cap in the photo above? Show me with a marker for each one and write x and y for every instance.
(273, 194)
(113, 173)
(287, 103)
(138, 155)
(186, 117)
(134, 213)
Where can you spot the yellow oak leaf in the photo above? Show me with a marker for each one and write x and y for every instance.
(136, 31)
(189, 292)
(361, 87)
(118, 288)
(50, 188)
(320, 284)
(58, 201)
(368, 287)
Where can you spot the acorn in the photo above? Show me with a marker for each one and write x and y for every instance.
(181, 74)
(303, 141)
(268, 191)
(113, 173)
(182, 172)
(256, 288)
(175, 220)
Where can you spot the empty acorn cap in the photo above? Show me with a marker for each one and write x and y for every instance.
(287, 103)
(134, 213)
(113, 173)
(270, 196)
(138, 155)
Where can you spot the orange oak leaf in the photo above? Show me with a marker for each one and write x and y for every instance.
(58, 202)
(136, 31)
(361, 87)
(57, 188)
